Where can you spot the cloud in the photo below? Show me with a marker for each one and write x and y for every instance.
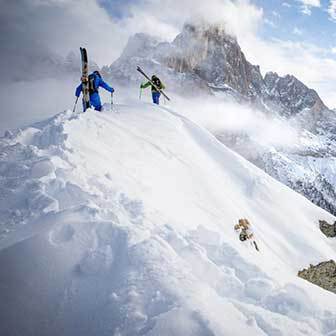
(297, 31)
(308, 4)
(270, 23)
(166, 18)
(311, 3)
(28, 102)
(58, 26)
(218, 116)
(34, 27)
(276, 14)
(332, 9)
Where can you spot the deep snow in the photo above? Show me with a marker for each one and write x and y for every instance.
(121, 223)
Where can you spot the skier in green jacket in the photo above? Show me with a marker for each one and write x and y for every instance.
(155, 93)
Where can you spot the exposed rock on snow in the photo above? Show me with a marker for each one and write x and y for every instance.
(327, 229)
(323, 275)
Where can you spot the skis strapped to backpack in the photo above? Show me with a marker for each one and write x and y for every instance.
(156, 87)
(85, 78)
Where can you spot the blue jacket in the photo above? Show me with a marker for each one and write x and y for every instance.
(98, 82)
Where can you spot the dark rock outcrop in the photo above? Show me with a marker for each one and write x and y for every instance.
(327, 229)
(323, 275)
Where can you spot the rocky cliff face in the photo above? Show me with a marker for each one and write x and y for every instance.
(291, 95)
(216, 58)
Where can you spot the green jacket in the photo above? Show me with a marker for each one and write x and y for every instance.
(146, 85)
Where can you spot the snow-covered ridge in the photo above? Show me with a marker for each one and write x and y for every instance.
(203, 59)
(122, 223)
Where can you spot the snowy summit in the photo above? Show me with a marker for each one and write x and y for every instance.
(132, 233)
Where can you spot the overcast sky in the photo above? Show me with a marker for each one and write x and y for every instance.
(292, 36)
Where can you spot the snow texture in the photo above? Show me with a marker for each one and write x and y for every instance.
(122, 224)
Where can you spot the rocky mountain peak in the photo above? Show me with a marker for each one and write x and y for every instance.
(204, 31)
(206, 57)
(216, 57)
(291, 94)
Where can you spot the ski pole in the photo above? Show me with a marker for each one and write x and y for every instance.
(140, 94)
(111, 101)
(74, 108)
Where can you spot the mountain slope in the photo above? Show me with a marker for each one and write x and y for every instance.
(299, 159)
(122, 223)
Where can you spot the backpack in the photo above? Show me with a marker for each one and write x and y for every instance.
(92, 88)
(157, 83)
(243, 236)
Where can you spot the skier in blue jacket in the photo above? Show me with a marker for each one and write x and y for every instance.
(95, 81)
